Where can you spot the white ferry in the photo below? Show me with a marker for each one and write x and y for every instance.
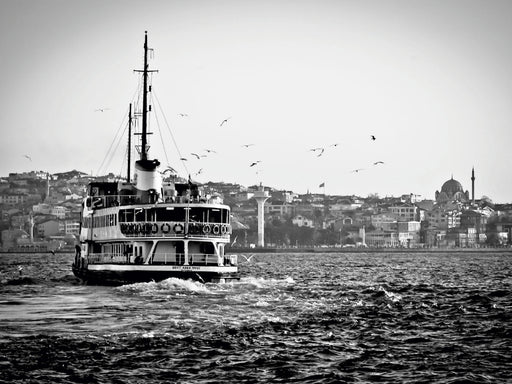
(148, 229)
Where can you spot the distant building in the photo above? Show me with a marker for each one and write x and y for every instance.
(280, 210)
(384, 221)
(443, 218)
(302, 221)
(404, 212)
(48, 228)
(12, 199)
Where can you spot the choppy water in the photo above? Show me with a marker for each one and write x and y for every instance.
(308, 318)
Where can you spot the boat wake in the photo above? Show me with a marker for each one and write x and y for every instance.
(165, 286)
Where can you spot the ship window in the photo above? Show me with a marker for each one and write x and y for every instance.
(151, 214)
(126, 215)
(140, 214)
(215, 216)
(198, 215)
(176, 214)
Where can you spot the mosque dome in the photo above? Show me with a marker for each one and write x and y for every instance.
(452, 191)
(451, 187)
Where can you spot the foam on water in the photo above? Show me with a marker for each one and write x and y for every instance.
(168, 285)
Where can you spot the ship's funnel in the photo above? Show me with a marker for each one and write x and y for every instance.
(148, 180)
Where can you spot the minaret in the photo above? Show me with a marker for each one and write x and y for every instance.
(261, 196)
(473, 186)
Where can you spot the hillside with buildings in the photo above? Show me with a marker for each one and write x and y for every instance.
(41, 212)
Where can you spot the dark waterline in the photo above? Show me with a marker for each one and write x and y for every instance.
(308, 318)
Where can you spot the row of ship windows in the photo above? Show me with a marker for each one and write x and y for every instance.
(152, 215)
(100, 221)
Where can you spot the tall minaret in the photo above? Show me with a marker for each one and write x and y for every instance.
(473, 186)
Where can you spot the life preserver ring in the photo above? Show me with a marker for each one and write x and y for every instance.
(223, 229)
(165, 228)
(154, 228)
(215, 229)
(178, 228)
(206, 229)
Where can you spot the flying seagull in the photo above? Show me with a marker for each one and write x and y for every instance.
(196, 155)
(357, 170)
(247, 145)
(182, 115)
(373, 137)
(321, 153)
(224, 121)
(101, 109)
(334, 145)
(183, 159)
(255, 163)
(169, 169)
(378, 162)
(248, 259)
(210, 151)
(28, 157)
(199, 172)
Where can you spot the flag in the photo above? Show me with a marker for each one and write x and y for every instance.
(321, 185)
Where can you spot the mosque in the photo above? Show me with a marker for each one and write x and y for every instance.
(452, 192)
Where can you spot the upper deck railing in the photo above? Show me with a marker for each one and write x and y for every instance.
(107, 201)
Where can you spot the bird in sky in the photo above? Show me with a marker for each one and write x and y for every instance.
(196, 155)
(101, 109)
(378, 162)
(224, 121)
(321, 152)
(316, 149)
(183, 159)
(247, 145)
(248, 259)
(182, 115)
(255, 163)
(169, 169)
(210, 151)
(28, 157)
(373, 137)
(234, 241)
(357, 170)
(199, 172)
(334, 145)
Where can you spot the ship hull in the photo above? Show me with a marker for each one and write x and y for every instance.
(114, 274)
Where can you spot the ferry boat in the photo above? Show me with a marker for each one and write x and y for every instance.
(151, 230)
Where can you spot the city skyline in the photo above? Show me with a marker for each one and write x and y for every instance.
(297, 88)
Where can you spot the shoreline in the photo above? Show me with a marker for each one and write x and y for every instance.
(368, 250)
(315, 250)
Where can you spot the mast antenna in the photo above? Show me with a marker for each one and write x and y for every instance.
(145, 71)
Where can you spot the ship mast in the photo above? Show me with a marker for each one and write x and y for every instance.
(145, 109)
(143, 152)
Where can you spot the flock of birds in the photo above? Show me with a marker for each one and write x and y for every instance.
(318, 151)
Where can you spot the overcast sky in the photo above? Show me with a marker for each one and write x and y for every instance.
(431, 80)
